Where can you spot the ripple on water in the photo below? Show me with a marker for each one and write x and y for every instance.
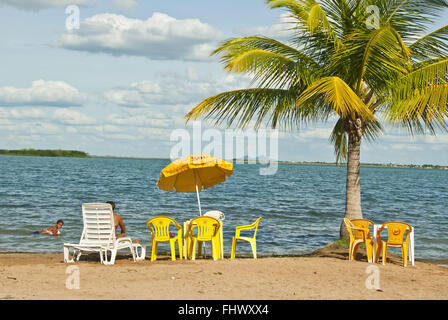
(301, 205)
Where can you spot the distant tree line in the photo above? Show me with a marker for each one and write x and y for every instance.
(45, 153)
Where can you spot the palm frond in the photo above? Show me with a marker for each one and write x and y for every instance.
(425, 106)
(339, 139)
(338, 95)
(241, 106)
(272, 63)
(434, 44)
(310, 16)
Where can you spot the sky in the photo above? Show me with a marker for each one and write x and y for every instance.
(121, 84)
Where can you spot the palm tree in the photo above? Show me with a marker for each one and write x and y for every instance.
(336, 66)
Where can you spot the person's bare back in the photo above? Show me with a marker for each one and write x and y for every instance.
(118, 222)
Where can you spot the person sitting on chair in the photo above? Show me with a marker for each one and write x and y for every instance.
(118, 221)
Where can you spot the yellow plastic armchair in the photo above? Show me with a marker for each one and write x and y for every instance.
(207, 230)
(252, 240)
(159, 227)
(398, 236)
(358, 230)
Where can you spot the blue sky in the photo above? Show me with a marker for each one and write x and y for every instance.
(123, 82)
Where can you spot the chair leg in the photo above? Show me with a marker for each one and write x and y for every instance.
(78, 255)
(215, 249)
(379, 248)
(179, 247)
(193, 248)
(350, 251)
(232, 254)
(113, 255)
(173, 250)
(102, 257)
(404, 253)
(132, 252)
(140, 256)
(190, 248)
(369, 250)
(67, 258)
(200, 249)
(355, 250)
(253, 244)
(384, 253)
(154, 251)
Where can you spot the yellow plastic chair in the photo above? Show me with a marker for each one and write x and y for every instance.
(159, 227)
(398, 236)
(358, 230)
(207, 230)
(252, 240)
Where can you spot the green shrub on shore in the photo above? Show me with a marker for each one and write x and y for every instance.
(45, 153)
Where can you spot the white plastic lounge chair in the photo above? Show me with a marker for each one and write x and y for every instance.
(99, 236)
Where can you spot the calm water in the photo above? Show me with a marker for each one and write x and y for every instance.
(302, 205)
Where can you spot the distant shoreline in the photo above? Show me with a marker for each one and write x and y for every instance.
(81, 154)
(44, 153)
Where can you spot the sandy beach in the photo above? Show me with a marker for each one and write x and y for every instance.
(324, 274)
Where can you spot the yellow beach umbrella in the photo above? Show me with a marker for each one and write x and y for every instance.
(194, 173)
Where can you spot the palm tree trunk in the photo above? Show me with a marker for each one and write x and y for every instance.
(353, 186)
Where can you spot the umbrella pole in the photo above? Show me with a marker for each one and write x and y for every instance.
(197, 193)
(199, 205)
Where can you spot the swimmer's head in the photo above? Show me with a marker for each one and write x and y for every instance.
(112, 204)
(59, 224)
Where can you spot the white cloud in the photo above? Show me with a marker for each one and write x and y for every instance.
(28, 113)
(315, 133)
(280, 30)
(155, 133)
(108, 129)
(140, 120)
(176, 90)
(405, 146)
(32, 113)
(439, 138)
(43, 93)
(121, 136)
(24, 128)
(35, 5)
(159, 37)
(72, 117)
(125, 5)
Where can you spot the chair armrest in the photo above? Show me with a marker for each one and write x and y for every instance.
(363, 230)
(124, 239)
(178, 226)
(242, 228)
(246, 227)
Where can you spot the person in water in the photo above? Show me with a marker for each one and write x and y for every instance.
(118, 221)
(52, 230)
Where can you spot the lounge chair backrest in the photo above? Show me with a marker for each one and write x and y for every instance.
(99, 227)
